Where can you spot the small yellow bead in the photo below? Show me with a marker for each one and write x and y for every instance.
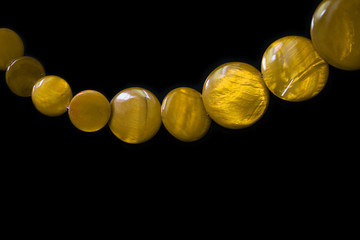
(335, 33)
(11, 47)
(235, 96)
(22, 74)
(135, 115)
(51, 95)
(184, 115)
(293, 70)
(89, 111)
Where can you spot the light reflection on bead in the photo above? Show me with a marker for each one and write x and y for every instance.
(135, 115)
(335, 33)
(235, 95)
(184, 115)
(293, 70)
(51, 96)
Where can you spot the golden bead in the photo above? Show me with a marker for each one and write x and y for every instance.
(11, 47)
(184, 115)
(335, 33)
(135, 115)
(22, 74)
(51, 95)
(235, 96)
(293, 70)
(89, 111)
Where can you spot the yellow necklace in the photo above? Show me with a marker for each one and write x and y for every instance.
(235, 95)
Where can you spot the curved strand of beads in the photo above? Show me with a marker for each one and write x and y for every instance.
(235, 95)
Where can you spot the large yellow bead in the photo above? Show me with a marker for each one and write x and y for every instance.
(89, 111)
(184, 115)
(51, 95)
(293, 70)
(235, 96)
(11, 47)
(22, 74)
(135, 115)
(335, 33)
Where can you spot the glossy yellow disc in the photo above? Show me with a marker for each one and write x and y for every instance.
(89, 111)
(22, 74)
(335, 33)
(135, 115)
(11, 47)
(184, 115)
(293, 70)
(51, 95)
(235, 96)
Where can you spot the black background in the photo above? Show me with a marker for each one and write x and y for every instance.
(310, 146)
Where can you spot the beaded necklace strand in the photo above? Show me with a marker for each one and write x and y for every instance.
(235, 95)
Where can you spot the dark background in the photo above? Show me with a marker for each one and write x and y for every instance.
(310, 146)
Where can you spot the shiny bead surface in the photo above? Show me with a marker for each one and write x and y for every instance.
(234, 95)
(22, 74)
(335, 33)
(184, 115)
(135, 115)
(293, 70)
(51, 95)
(11, 47)
(89, 111)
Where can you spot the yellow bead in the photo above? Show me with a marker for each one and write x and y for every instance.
(11, 47)
(184, 115)
(51, 95)
(293, 70)
(89, 111)
(22, 74)
(135, 115)
(335, 33)
(235, 96)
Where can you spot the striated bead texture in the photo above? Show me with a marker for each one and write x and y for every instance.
(22, 74)
(135, 115)
(293, 70)
(235, 95)
(335, 33)
(51, 95)
(11, 47)
(184, 115)
(89, 111)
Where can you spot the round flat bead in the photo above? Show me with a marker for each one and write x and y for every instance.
(51, 95)
(293, 70)
(184, 115)
(22, 74)
(135, 115)
(11, 47)
(335, 33)
(89, 111)
(235, 96)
